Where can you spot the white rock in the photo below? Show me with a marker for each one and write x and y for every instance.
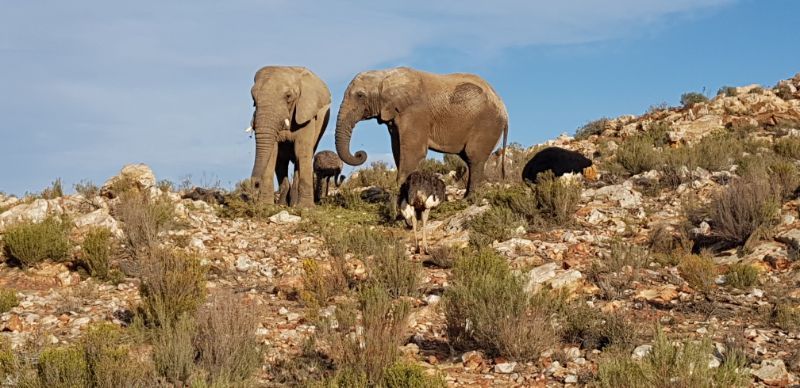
(100, 218)
(140, 174)
(641, 351)
(571, 379)
(35, 211)
(197, 243)
(505, 367)
(772, 372)
(624, 195)
(565, 279)
(244, 264)
(540, 275)
(284, 217)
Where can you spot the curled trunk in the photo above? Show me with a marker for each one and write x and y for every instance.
(344, 130)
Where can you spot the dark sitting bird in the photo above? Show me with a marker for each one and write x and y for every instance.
(559, 160)
(421, 192)
(327, 165)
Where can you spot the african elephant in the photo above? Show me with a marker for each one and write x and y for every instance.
(449, 113)
(292, 110)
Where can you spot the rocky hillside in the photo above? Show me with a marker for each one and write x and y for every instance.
(680, 262)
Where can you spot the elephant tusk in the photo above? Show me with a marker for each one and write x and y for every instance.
(286, 123)
(248, 129)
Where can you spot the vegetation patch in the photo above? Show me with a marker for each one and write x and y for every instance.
(742, 209)
(96, 251)
(592, 128)
(172, 285)
(143, 219)
(741, 276)
(691, 98)
(699, 271)
(30, 243)
(8, 300)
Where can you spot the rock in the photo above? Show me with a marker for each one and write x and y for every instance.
(515, 246)
(773, 372)
(641, 351)
(284, 218)
(505, 367)
(571, 379)
(566, 279)
(35, 211)
(659, 295)
(540, 275)
(472, 359)
(99, 218)
(244, 264)
(623, 194)
(140, 175)
(14, 324)
(458, 222)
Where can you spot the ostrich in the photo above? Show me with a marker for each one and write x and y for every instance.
(327, 165)
(560, 161)
(421, 192)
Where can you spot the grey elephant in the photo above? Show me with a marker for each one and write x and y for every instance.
(450, 113)
(292, 110)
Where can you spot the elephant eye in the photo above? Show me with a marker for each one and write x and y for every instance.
(288, 96)
(360, 94)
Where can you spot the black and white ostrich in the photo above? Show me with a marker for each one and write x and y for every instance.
(327, 165)
(421, 192)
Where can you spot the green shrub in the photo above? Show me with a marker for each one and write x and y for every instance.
(361, 242)
(54, 191)
(172, 285)
(637, 155)
(87, 189)
(96, 252)
(673, 365)
(63, 367)
(718, 152)
(407, 375)
(398, 274)
(377, 174)
(226, 342)
(698, 271)
(496, 224)
(741, 275)
(785, 316)
(173, 353)
(788, 146)
(8, 361)
(745, 207)
(29, 243)
(142, 220)
(556, 198)
(106, 348)
(321, 284)
(593, 329)
(691, 98)
(728, 91)
(243, 202)
(8, 300)
(487, 306)
(591, 128)
(665, 240)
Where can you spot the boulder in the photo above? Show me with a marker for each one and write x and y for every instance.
(35, 211)
(773, 372)
(138, 175)
(99, 218)
(622, 194)
(284, 218)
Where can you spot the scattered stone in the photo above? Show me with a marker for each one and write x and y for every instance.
(283, 218)
(773, 372)
(641, 351)
(505, 367)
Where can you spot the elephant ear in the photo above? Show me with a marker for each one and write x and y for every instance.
(314, 95)
(398, 90)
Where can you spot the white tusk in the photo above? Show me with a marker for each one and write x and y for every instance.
(286, 123)
(248, 129)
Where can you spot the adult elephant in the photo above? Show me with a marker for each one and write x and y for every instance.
(292, 110)
(449, 113)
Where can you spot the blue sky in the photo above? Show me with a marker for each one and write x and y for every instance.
(87, 86)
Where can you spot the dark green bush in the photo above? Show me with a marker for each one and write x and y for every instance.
(637, 155)
(96, 252)
(691, 98)
(30, 243)
(591, 128)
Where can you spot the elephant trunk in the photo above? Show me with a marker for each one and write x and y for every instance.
(266, 132)
(345, 123)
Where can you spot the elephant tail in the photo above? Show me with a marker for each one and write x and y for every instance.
(503, 160)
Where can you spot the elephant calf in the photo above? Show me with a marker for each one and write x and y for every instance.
(327, 165)
(558, 160)
(450, 113)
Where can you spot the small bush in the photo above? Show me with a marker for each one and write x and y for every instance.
(486, 305)
(673, 365)
(443, 256)
(407, 375)
(556, 198)
(226, 341)
(677, 164)
(321, 284)
(8, 300)
(691, 98)
(63, 367)
(591, 128)
(698, 271)
(399, 275)
(727, 91)
(666, 240)
(243, 202)
(741, 276)
(361, 242)
(496, 224)
(172, 284)
(746, 206)
(173, 353)
(106, 348)
(593, 329)
(142, 220)
(29, 243)
(362, 349)
(8, 362)
(637, 155)
(788, 147)
(96, 252)
(54, 191)
(757, 90)
(623, 255)
(785, 316)
(87, 189)
(377, 174)
(718, 152)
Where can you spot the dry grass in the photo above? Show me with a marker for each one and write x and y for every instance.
(96, 252)
(173, 353)
(226, 342)
(592, 128)
(143, 219)
(556, 199)
(741, 276)
(637, 155)
(8, 300)
(320, 284)
(673, 365)
(87, 189)
(592, 329)
(788, 147)
(745, 207)
(106, 348)
(496, 224)
(398, 274)
(486, 306)
(172, 285)
(30, 243)
(698, 271)
(667, 240)
(377, 174)
(63, 367)
(54, 191)
(407, 375)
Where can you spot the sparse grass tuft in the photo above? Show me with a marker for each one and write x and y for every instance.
(728, 91)
(664, 240)
(172, 285)
(63, 367)
(785, 316)
(173, 353)
(487, 306)
(143, 219)
(399, 275)
(8, 361)
(691, 98)
(593, 329)
(407, 375)
(637, 155)
(54, 191)
(788, 147)
(745, 207)
(106, 348)
(30, 243)
(377, 174)
(673, 365)
(741, 276)
(226, 342)
(96, 252)
(496, 224)
(8, 300)
(698, 271)
(556, 198)
(87, 189)
(320, 284)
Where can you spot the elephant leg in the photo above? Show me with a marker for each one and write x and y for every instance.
(304, 170)
(475, 176)
(266, 185)
(282, 173)
(293, 191)
(413, 146)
